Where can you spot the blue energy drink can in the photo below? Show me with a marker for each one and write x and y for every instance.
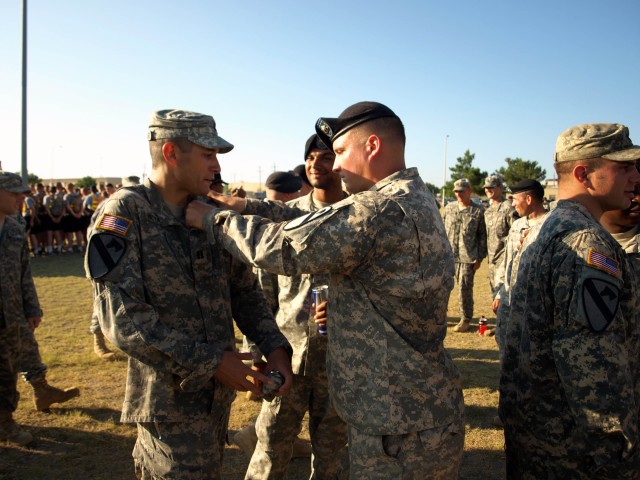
(320, 294)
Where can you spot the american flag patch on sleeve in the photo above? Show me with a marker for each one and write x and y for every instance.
(601, 261)
(114, 224)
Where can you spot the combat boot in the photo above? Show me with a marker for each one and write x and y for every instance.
(100, 347)
(44, 394)
(462, 326)
(10, 431)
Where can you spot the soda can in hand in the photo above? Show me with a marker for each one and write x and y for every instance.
(320, 294)
(267, 390)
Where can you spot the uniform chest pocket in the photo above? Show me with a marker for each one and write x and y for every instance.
(469, 224)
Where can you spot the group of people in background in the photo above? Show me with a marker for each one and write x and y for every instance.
(56, 217)
(175, 264)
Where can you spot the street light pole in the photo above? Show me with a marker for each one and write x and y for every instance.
(444, 180)
(25, 173)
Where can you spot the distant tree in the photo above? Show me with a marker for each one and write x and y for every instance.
(518, 169)
(464, 169)
(435, 190)
(86, 182)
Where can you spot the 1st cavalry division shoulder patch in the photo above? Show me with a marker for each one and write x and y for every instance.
(115, 224)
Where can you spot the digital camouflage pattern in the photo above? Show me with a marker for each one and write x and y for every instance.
(391, 273)
(19, 301)
(18, 292)
(279, 421)
(467, 235)
(498, 219)
(569, 386)
(169, 303)
(433, 454)
(168, 299)
(507, 271)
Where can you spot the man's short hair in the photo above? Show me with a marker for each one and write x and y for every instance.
(155, 148)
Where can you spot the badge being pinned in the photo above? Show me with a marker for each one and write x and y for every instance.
(601, 261)
(115, 224)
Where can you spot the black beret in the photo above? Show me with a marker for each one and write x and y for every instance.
(328, 129)
(528, 185)
(314, 143)
(217, 180)
(284, 182)
(302, 173)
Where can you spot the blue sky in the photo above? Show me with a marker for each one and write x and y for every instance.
(501, 78)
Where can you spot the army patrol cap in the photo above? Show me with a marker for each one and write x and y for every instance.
(284, 182)
(596, 140)
(13, 183)
(493, 181)
(328, 129)
(461, 184)
(195, 127)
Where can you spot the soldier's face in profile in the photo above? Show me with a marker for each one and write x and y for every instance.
(613, 184)
(493, 193)
(351, 162)
(463, 196)
(520, 203)
(196, 169)
(9, 202)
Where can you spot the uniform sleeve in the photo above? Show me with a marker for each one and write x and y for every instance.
(333, 239)
(269, 285)
(30, 302)
(132, 324)
(273, 210)
(590, 350)
(482, 237)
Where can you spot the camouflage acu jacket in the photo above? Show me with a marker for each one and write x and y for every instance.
(570, 381)
(292, 308)
(498, 219)
(466, 232)
(167, 298)
(391, 273)
(17, 291)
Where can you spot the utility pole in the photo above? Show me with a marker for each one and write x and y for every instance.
(25, 172)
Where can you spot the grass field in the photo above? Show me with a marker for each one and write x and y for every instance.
(83, 439)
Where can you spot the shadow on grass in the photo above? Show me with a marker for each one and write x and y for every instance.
(490, 462)
(473, 354)
(63, 453)
(98, 414)
(481, 417)
(70, 265)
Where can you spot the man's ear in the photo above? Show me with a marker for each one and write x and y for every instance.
(169, 153)
(373, 146)
(581, 174)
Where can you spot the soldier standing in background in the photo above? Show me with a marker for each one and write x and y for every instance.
(169, 300)
(466, 231)
(391, 273)
(569, 386)
(280, 420)
(20, 314)
(498, 219)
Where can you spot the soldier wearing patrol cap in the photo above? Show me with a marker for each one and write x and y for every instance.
(466, 231)
(391, 273)
(569, 391)
(20, 314)
(168, 300)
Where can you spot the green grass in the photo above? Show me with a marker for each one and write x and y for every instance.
(83, 438)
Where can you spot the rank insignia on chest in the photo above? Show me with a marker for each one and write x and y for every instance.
(601, 261)
(115, 224)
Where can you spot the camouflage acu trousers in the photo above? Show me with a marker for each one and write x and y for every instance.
(9, 358)
(188, 450)
(435, 454)
(280, 421)
(492, 276)
(95, 324)
(464, 277)
(31, 365)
